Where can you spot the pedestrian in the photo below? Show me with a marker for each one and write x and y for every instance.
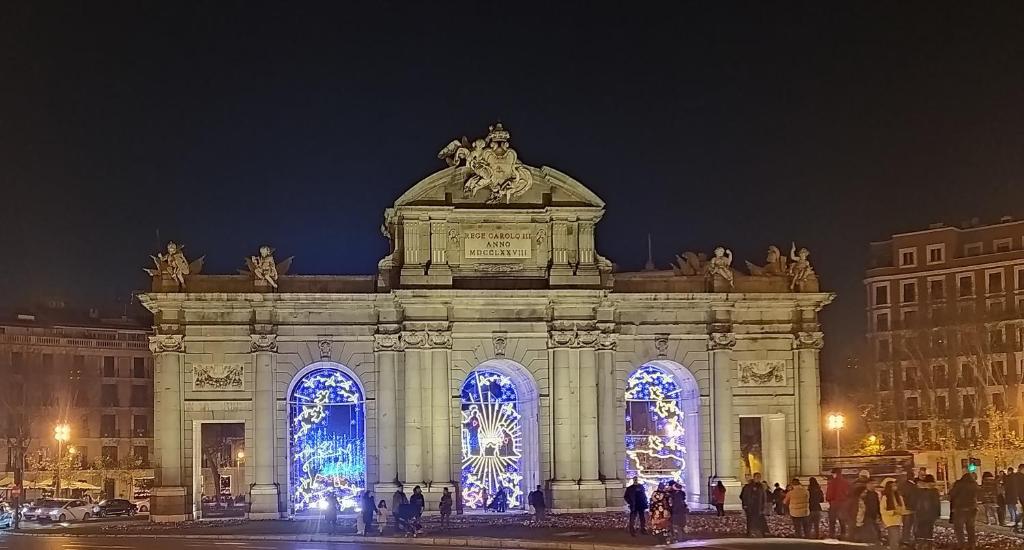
(367, 511)
(815, 498)
(406, 519)
(1001, 497)
(963, 505)
(754, 500)
(893, 508)
(798, 502)
(536, 499)
(859, 529)
(1018, 504)
(398, 498)
(926, 512)
(907, 488)
(661, 514)
(382, 516)
(680, 512)
(718, 498)
(778, 498)
(836, 493)
(332, 511)
(1011, 491)
(636, 499)
(418, 500)
(988, 493)
(445, 507)
(873, 511)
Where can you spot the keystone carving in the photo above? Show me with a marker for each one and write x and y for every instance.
(263, 342)
(325, 349)
(661, 344)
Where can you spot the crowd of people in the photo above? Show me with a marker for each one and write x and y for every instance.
(668, 510)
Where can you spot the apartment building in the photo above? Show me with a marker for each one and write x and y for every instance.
(945, 306)
(92, 373)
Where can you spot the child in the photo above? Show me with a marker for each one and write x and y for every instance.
(360, 525)
(382, 516)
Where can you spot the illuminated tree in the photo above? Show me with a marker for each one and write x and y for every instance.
(1002, 444)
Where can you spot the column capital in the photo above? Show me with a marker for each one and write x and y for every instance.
(809, 340)
(164, 343)
(562, 338)
(721, 341)
(387, 342)
(607, 341)
(263, 343)
(426, 339)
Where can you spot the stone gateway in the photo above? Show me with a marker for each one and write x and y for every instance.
(493, 351)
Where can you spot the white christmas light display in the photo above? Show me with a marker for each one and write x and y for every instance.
(491, 440)
(661, 455)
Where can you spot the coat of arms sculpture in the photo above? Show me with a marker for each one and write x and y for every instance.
(494, 165)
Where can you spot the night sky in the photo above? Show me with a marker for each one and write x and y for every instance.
(227, 125)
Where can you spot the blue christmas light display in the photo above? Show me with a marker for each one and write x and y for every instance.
(327, 434)
(492, 439)
(655, 446)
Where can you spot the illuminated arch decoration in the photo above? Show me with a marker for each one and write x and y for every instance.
(327, 440)
(492, 439)
(655, 434)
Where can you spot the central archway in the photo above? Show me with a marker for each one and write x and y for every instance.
(327, 438)
(499, 434)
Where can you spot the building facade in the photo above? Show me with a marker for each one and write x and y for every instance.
(945, 310)
(96, 376)
(495, 350)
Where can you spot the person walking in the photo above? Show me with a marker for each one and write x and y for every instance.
(536, 499)
(718, 498)
(680, 512)
(332, 511)
(754, 499)
(926, 512)
(445, 507)
(893, 508)
(797, 501)
(1018, 502)
(988, 493)
(1001, 497)
(398, 498)
(636, 498)
(778, 500)
(963, 505)
(367, 510)
(836, 493)
(1011, 491)
(661, 514)
(907, 487)
(418, 500)
(382, 516)
(816, 497)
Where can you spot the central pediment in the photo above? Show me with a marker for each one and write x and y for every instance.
(550, 187)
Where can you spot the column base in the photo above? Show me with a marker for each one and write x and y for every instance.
(263, 502)
(613, 491)
(169, 504)
(591, 494)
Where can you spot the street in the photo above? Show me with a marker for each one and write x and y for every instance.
(10, 541)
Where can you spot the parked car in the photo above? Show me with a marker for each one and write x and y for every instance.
(114, 507)
(6, 516)
(65, 510)
(30, 510)
(141, 505)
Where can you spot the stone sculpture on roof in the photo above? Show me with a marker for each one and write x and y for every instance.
(775, 264)
(800, 270)
(264, 269)
(493, 164)
(174, 265)
(720, 265)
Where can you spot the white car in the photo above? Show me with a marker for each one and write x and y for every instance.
(65, 510)
(142, 505)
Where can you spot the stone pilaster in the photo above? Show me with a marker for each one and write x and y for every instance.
(807, 347)
(591, 488)
(416, 358)
(169, 500)
(565, 494)
(724, 421)
(263, 494)
(441, 468)
(777, 450)
(608, 439)
(386, 347)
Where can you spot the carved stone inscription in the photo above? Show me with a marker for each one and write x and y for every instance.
(494, 242)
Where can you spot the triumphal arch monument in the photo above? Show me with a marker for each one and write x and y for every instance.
(495, 350)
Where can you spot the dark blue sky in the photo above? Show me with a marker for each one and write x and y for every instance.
(225, 125)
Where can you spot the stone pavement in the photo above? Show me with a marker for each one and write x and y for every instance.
(595, 531)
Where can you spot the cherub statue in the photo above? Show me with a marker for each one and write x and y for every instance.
(775, 264)
(264, 267)
(800, 270)
(720, 264)
(174, 265)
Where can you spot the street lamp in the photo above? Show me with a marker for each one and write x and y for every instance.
(62, 433)
(836, 421)
(240, 456)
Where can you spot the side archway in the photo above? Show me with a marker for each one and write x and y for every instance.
(663, 426)
(499, 434)
(326, 437)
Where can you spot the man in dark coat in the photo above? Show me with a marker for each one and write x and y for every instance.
(536, 499)
(907, 487)
(754, 498)
(963, 505)
(636, 498)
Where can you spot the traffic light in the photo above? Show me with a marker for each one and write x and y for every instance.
(973, 464)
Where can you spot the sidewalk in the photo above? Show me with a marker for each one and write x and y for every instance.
(598, 531)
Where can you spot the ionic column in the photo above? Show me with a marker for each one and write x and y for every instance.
(807, 348)
(441, 468)
(386, 347)
(168, 499)
(566, 404)
(413, 417)
(608, 441)
(777, 463)
(720, 346)
(263, 494)
(589, 449)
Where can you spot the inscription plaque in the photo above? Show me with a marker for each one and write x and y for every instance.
(497, 243)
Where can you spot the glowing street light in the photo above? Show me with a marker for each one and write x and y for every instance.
(836, 421)
(62, 433)
(240, 456)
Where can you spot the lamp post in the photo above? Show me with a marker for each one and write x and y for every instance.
(836, 421)
(239, 458)
(62, 433)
